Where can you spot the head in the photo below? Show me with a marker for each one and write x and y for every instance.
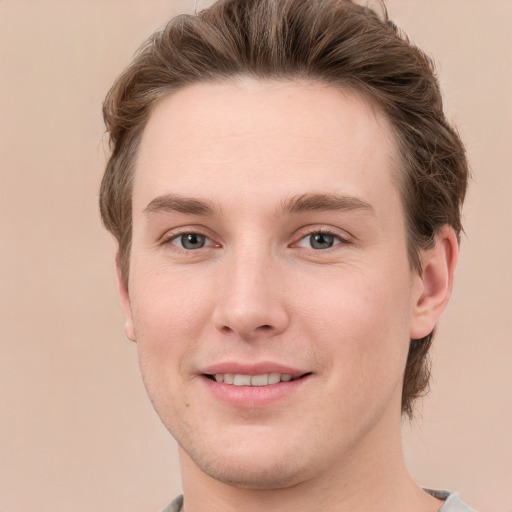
(335, 43)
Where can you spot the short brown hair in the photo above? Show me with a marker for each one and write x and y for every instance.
(336, 42)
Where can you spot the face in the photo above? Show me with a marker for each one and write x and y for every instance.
(270, 293)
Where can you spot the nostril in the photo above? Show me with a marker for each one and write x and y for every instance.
(264, 328)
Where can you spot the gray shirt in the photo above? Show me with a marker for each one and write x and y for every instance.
(452, 503)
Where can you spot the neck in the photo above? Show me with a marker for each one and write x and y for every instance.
(373, 477)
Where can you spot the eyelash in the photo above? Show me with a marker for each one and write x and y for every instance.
(341, 239)
(209, 243)
(177, 236)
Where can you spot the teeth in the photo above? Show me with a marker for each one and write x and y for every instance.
(253, 380)
(259, 380)
(274, 378)
(242, 380)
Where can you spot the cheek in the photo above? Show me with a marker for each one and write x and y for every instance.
(169, 317)
(360, 320)
(168, 305)
(170, 314)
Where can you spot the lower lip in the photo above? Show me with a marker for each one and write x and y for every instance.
(251, 397)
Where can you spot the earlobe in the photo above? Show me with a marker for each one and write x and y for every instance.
(125, 302)
(436, 280)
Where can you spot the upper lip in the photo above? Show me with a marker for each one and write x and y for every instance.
(260, 368)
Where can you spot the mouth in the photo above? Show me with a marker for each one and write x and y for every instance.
(264, 379)
(255, 385)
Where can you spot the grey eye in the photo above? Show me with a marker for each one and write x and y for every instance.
(190, 241)
(321, 240)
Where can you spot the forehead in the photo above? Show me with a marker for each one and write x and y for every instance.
(243, 137)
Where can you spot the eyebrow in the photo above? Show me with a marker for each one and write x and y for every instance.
(298, 204)
(181, 204)
(325, 202)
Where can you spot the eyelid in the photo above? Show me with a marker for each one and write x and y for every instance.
(173, 234)
(343, 237)
(208, 242)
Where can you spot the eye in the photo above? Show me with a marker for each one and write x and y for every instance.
(320, 241)
(191, 241)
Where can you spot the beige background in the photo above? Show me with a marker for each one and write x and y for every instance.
(76, 429)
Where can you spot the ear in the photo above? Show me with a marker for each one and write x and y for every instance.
(125, 301)
(435, 282)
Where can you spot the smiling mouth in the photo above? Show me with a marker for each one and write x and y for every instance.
(265, 379)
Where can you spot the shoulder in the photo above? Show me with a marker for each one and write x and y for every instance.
(175, 506)
(452, 502)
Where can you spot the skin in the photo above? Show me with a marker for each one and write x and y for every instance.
(259, 291)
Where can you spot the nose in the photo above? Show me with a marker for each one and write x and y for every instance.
(251, 299)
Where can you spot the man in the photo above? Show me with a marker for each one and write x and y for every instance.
(286, 195)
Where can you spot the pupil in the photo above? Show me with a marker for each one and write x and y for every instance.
(192, 241)
(321, 241)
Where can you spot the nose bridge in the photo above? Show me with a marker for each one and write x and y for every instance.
(250, 301)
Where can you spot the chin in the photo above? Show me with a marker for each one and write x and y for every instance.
(256, 473)
(248, 458)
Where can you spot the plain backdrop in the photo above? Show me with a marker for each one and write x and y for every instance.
(76, 429)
